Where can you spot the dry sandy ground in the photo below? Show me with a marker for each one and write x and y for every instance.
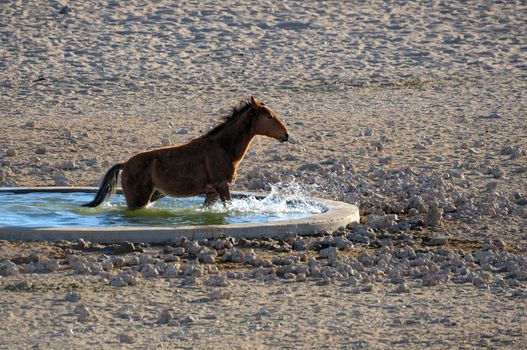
(379, 100)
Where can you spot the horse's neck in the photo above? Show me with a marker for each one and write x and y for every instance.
(237, 138)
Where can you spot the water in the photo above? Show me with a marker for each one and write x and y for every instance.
(53, 209)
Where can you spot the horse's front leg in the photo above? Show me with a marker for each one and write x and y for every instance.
(211, 198)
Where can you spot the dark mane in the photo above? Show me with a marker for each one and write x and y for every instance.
(236, 111)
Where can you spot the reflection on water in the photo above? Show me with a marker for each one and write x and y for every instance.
(41, 209)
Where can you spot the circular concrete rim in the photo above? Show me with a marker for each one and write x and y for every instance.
(338, 214)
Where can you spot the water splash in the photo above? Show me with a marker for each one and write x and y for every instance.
(284, 198)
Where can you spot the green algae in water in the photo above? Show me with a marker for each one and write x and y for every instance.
(53, 209)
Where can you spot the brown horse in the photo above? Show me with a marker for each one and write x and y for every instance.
(207, 164)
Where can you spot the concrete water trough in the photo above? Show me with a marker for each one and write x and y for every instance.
(334, 215)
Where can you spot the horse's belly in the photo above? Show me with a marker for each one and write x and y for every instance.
(182, 184)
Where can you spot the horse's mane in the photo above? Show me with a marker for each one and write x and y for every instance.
(236, 111)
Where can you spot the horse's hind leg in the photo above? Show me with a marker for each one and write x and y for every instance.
(211, 198)
(156, 195)
(137, 194)
(224, 192)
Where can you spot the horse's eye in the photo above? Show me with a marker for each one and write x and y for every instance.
(269, 117)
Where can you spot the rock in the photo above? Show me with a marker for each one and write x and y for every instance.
(188, 319)
(206, 258)
(166, 316)
(83, 313)
(149, 271)
(182, 132)
(11, 152)
(385, 160)
(434, 215)
(68, 165)
(437, 241)
(30, 124)
(309, 167)
(368, 131)
(72, 297)
(92, 162)
(65, 10)
(328, 252)
(220, 295)
(217, 281)
(61, 180)
(382, 222)
(126, 338)
(402, 288)
(8, 268)
(40, 150)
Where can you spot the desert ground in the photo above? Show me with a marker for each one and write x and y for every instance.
(415, 112)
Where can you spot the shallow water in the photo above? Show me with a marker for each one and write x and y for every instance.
(53, 209)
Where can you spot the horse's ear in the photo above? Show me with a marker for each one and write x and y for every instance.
(254, 102)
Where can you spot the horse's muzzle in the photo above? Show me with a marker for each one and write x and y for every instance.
(284, 137)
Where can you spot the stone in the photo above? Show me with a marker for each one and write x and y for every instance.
(126, 338)
(8, 268)
(11, 152)
(309, 167)
(220, 295)
(438, 241)
(434, 216)
(382, 222)
(166, 316)
(385, 160)
(182, 132)
(402, 288)
(188, 319)
(83, 313)
(64, 10)
(72, 297)
(328, 252)
(61, 180)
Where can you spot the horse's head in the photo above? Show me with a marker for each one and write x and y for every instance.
(267, 122)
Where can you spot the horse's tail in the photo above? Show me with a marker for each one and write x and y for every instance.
(108, 186)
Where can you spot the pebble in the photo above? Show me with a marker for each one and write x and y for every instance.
(434, 216)
(220, 295)
(166, 316)
(8, 268)
(182, 132)
(64, 10)
(61, 181)
(328, 252)
(188, 319)
(30, 124)
(382, 222)
(437, 241)
(83, 313)
(217, 281)
(11, 152)
(40, 150)
(309, 167)
(68, 165)
(402, 288)
(126, 338)
(72, 297)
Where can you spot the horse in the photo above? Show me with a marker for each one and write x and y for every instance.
(206, 165)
